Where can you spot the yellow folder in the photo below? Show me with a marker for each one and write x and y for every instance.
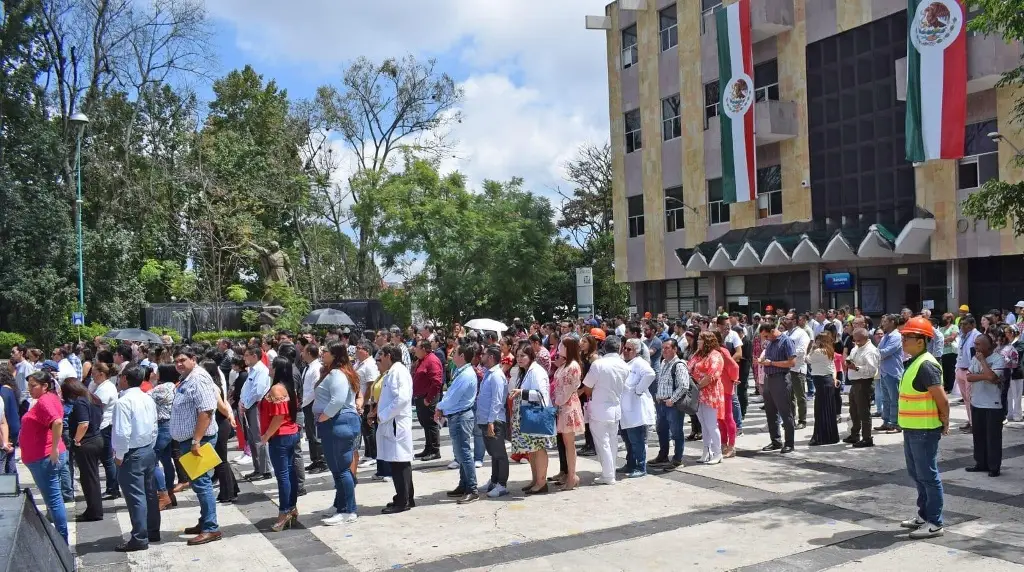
(197, 465)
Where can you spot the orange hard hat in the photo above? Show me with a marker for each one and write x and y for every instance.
(769, 308)
(920, 326)
(597, 333)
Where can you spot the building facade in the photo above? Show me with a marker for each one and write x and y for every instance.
(841, 216)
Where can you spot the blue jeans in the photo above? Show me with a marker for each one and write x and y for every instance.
(7, 463)
(338, 436)
(921, 448)
(282, 456)
(165, 469)
(460, 428)
(810, 387)
(737, 412)
(479, 447)
(47, 478)
(891, 400)
(669, 425)
(636, 448)
(879, 398)
(138, 483)
(107, 460)
(67, 481)
(202, 486)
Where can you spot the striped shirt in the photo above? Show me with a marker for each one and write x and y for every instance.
(779, 349)
(196, 394)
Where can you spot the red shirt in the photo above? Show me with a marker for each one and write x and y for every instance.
(269, 410)
(36, 438)
(428, 378)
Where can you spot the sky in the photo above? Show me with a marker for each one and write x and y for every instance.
(535, 79)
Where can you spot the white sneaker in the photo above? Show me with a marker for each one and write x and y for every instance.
(488, 487)
(714, 460)
(602, 481)
(453, 465)
(340, 518)
(916, 522)
(243, 460)
(497, 491)
(928, 530)
(367, 462)
(478, 464)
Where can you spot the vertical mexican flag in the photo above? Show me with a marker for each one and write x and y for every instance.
(936, 80)
(735, 73)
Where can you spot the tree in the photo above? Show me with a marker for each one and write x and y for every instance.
(1001, 202)
(379, 109)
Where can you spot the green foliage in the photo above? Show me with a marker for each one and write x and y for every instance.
(237, 293)
(175, 336)
(296, 307)
(71, 334)
(398, 304)
(165, 281)
(8, 340)
(233, 335)
(250, 318)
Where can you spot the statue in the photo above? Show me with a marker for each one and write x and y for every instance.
(274, 262)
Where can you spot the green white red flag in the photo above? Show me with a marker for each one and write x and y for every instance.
(735, 76)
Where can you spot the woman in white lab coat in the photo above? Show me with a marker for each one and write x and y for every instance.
(394, 426)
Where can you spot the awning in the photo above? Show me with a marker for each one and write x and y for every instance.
(808, 242)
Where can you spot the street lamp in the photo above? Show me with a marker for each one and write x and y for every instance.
(997, 137)
(79, 120)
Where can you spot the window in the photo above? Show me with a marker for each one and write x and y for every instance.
(712, 97)
(669, 31)
(633, 131)
(769, 191)
(981, 156)
(686, 295)
(629, 51)
(674, 205)
(718, 211)
(766, 81)
(670, 127)
(708, 7)
(635, 213)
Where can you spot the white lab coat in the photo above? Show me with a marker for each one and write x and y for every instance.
(394, 415)
(637, 403)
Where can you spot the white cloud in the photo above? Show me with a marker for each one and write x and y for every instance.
(536, 80)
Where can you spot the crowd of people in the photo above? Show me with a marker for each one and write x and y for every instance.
(135, 409)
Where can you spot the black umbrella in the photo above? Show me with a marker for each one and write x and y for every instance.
(328, 317)
(134, 335)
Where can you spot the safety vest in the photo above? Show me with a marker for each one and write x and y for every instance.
(917, 409)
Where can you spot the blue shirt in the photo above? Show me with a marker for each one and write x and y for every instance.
(256, 386)
(890, 348)
(461, 393)
(779, 349)
(490, 404)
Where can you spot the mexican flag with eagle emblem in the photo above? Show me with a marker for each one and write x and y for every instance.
(735, 78)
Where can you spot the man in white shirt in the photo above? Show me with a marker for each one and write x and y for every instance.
(64, 367)
(797, 373)
(106, 392)
(620, 327)
(604, 385)
(256, 386)
(134, 434)
(311, 355)
(22, 369)
(366, 369)
(861, 369)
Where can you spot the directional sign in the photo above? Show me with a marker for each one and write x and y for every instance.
(585, 311)
(77, 319)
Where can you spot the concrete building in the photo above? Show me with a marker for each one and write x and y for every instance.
(841, 216)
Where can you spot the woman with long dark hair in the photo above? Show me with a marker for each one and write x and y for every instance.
(821, 360)
(588, 355)
(335, 406)
(278, 412)
(84, 422)
(166, 379)
(10, 397)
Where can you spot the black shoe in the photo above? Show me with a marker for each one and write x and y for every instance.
(84, 518)
(227, 500)
(131, 547)
(317, 468)
(674, 465)
(786, 449)
(256, 477)
(193, 530)
(392, 509)
(993, 473)
(864, 443)
(111, 496)
(458, 492)
(851, 439)
(412, 504)
(976, 469)
(699, 436)
(813, 443)
(658, 461)
(587, 452)
(302, 492)
(527, 487)
(420, 455)
(692, 437)
(801, 425)
(431, 457)
(472, 497)
(154, 537)
(772, 447)
(541, 491)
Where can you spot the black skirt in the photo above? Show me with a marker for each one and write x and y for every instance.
(826, 429)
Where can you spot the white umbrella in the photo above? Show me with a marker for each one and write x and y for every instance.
(486, 325)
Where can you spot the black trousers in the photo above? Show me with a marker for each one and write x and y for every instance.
(778, 402)
(226, 478)
(987, 431)
(861, 392)
(87, 457)
(563, 464)
(744, 386)
(431, 430)
(401, 474)
(694, 424)
(499, 456)
(176, 454)
(948, 372)
(316, 450)
(588, 437)
(369, 433)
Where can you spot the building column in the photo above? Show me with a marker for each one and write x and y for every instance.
(716, 294)
(956, 284)
(815, 278)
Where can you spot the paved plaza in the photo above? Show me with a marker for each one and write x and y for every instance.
(823, 508)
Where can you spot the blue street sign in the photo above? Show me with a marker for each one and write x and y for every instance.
(77, 319)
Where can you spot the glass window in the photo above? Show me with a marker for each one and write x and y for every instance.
(980, 163)
(670, 126)
(669, 30)
(708, 7)
(718, 211)
(674, 205)
(766, 81)
(630, 54)
(633, 131)
(712, 99)
(769, 191)
(635, 214)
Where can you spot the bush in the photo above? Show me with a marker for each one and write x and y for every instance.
(8, 340)
(71, 334)
(175, 336)
(233, 335)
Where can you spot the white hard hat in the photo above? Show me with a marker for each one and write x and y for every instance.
(1020, 304)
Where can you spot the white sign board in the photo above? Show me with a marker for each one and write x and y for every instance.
(744, 301)
(928, 304)
(584, 287)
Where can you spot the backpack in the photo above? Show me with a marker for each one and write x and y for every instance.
(687, 404)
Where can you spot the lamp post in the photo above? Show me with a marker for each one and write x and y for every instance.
(997, 137)
(79, 121)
